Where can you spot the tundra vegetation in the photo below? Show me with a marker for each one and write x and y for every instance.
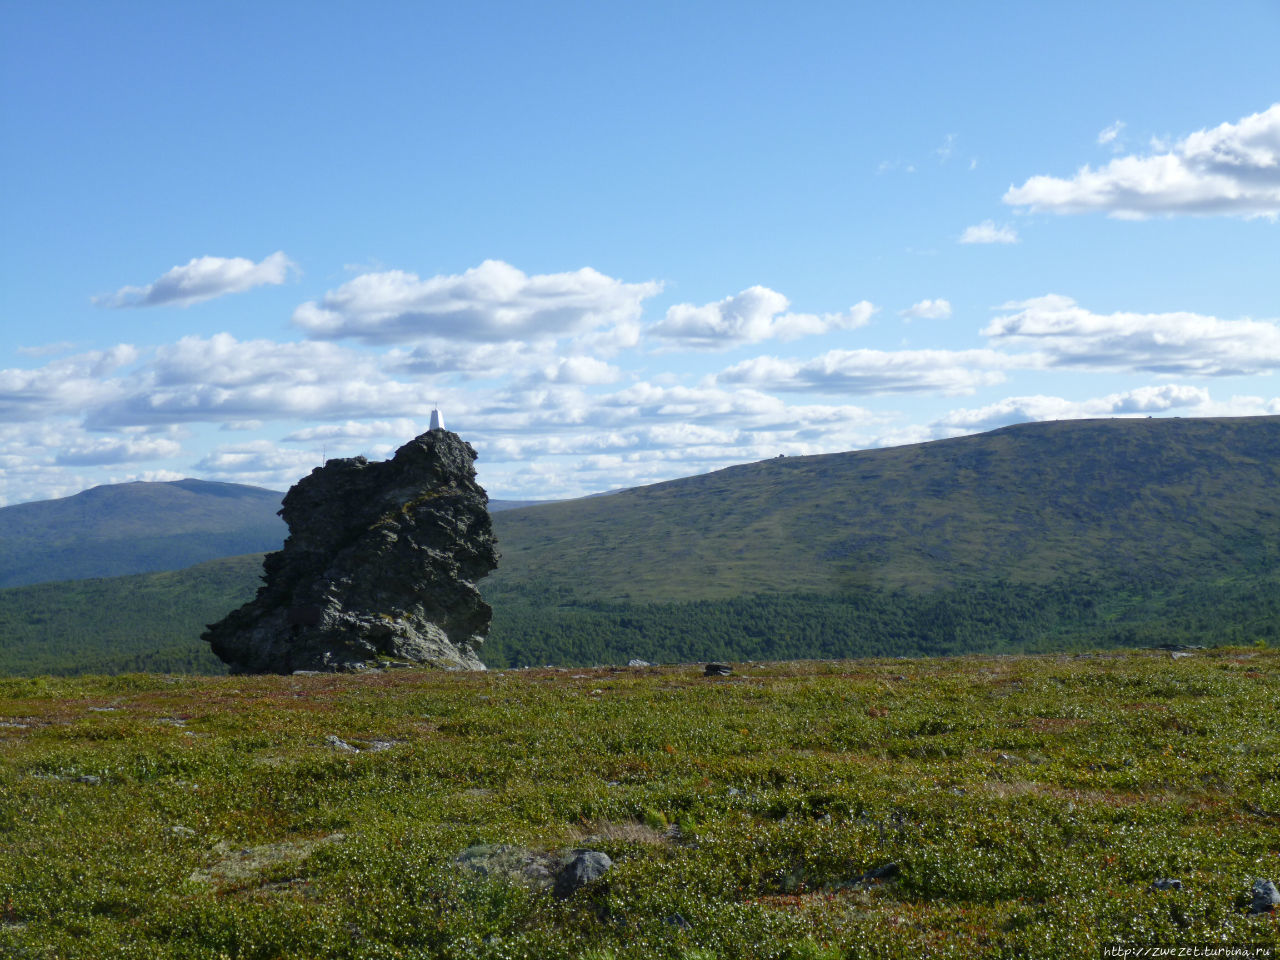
(986, 806)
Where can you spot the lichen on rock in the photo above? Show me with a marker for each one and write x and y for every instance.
(380, 565)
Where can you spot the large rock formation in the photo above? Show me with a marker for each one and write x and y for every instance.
(380, 565)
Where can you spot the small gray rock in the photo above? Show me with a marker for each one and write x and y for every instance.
(1164, 883)
(178, 830)
(93, 781)
(717, 670)
(636, 662)
(1265, 897)
(339, 744)
(585, 867)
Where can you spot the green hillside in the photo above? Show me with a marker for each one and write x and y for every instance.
(1159, 498)
(135, 528)
(1073, 535)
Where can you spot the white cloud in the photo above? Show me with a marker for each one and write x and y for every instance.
(402, 428)
(261, 462)
(220, 379)
(222, 360)
(490, 303)
(927, 310)
(108, 450)
(1143, 401)
(1109, 134)
(1068, 335)
(203, 278)
(1232, 169)
(751, 316)
(988, 232)
(875, 371)
(63, 386)
(579, 370)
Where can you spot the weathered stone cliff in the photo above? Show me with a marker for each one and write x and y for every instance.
(380, 565)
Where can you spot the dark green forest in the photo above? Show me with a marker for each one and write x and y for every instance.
(152, 622)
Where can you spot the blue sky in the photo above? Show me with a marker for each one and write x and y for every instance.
(620, 243)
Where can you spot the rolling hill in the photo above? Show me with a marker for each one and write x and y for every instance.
(1059, 535)
(142, 527)
(138, 527)
(1154, 498)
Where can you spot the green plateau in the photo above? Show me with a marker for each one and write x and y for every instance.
(1001, 807)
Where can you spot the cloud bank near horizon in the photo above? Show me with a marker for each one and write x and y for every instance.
(566, 389)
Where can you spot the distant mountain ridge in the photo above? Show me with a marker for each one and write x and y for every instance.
(142, 527)
(1038, 536)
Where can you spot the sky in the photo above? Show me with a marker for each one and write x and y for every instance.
(619, 243)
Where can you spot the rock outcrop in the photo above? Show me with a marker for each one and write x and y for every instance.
(380, 566)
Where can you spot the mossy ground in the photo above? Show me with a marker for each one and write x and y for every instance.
(1028, 803)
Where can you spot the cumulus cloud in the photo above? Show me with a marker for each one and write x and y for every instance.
(357, 430)
(988, 232)
(1143, 401)
(1232, 169)
(751, 316)
(203, 278)
(492, 302)
(1068, 335)
(63, 386)
(258, 462)
(220, 379)
(927, 310)
(108, 450)
(579, 370)
(875, 371)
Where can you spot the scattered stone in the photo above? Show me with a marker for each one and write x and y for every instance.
(1009, 759)
(1178, 655)
(1164, 883)
(380, 566)
(586, 867)
(306, 673)
(1265, 897)
(178, 830)
(13, 726)
(104, 709)
(562, 873)
(639, 663)
(717, 670)
(676, 920)
(88, 778)
(339, 744)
